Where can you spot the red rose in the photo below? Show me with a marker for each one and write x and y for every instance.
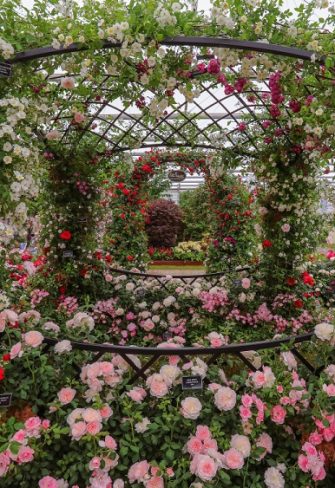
(291, 281)
(308, 279)
(2, 374)
(298, 303)
(6, 357)
(130, 258)
(267, 243)
(65, 235)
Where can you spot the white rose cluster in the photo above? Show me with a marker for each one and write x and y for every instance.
(164, 17)
(6, 49)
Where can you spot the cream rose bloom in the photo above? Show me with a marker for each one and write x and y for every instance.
(324, 331)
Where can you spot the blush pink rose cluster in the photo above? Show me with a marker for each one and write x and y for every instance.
(87, 421)
(150, 476)
(99, 374)
(312, 461)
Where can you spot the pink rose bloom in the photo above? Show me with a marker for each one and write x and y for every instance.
(278, 414)
(203, 433)
(286, 228)
(25, 454)
(156, 482)
(225, 399)
(303, 463)
(16, 351)
(247, 400)
(19, 436)
(138, 471)
(53, 135)
(33, 338)
(137, 394)
(78, 430)
(91, 415)
(93, 428)
(79, 117)
(33, 423)
(204, 467)
(157, 385)
(191, 408)
(118, 483)
(245, 283)
(245, 413)
(66, 395)
(329, 389)
(94, 463)
(309, 449)
(242, 444)
(48, 482)
(45, 424)
(194, 446)
(319, 475)
(4, 463)
(265, 441)
(315, 438)
(68, 84)
(106, 412)
(110, 442)
(233, 459)
(170, 472)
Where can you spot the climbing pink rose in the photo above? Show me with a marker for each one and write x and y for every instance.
(137, 394)
(33, 338)
(155, 482)
(233, 459)
(204, 467)
(203, 433)
(67, 83)
(138, 471)
(245, 283)
(194, 446)
(25, 454)
(191, 408)
(79, 117)
(94, 427)
(16, 351)
(78, 430)
(48, 482)
(278, 414)
(225, 399)
(66, 395)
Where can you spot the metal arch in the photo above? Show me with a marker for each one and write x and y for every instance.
(196, 41)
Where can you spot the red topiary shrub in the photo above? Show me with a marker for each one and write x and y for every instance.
(164, 223)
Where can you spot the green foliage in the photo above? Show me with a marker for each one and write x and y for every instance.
(196, 215)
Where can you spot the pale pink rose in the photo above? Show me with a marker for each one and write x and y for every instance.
(118, 483)
(156, 482)
(33, 338)
(106, 412)
(110, 442)
(264, 378)
(278, 414)
(157, 385)
(25, 454)
(66, 395)
(203, 433)
(191, 408)
(233, 459)
(242, 444)
(320, 474)
(33, 423)
(94, 463)
(94, 427)
(79, 117)
(48, 482)
(265, 441)
(245, 282)
(329, 389)
(91, 415)
(194, 446)
(225, 399)
(170, 472)
(213, 387)
(45, 424)
(53, 135)
(169, 373)
(16, 351)
(286, 228)
(63, 346)
(138, 471)
(274, 478)
(78, 430)
(67, 83)
(204, 467)
(137, 394)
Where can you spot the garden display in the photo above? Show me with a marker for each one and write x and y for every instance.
(111, 376)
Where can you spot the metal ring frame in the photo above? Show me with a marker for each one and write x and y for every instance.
(155, 353)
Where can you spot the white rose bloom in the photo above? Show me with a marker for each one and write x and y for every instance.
(324, 331)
